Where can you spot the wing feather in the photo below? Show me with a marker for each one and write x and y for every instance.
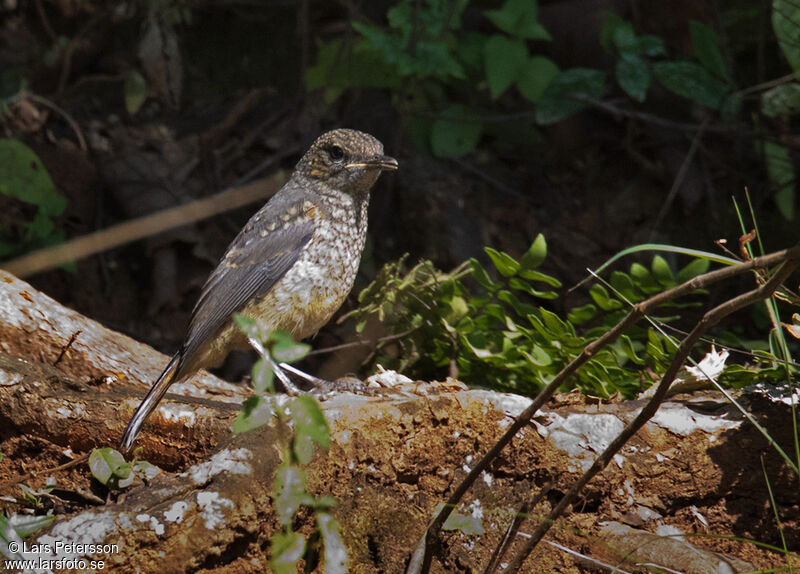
(255, 261)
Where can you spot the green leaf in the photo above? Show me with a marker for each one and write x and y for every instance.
(456, 132)
(135, 89)
(626, 345)
(537, 356)
(650, 46)
(285, 349)
(342, 65)
(503, 262)
(558, 102)
(256, 411)
(535, 75)
(623, 283)
(707, 50)
(782, 100)
(519, 18)
(520, 285)
(505, 59)
(693, 269)
(290, 492)
(247, 325)
(24, 177)
(554, 323)
(263, 378)
(535, 255)
(27, 525)
(533, 275)
(610, 24)
(335, 551)
(633, 76)
(464, 523)
(786, 25)
(481, 276)
(310, 426)
(8, 534)
(781, 175)
(287, 548)
(603, 300)
(109, 467)
(579, 315)
(624, 37)
(692, 81)
(662, 271)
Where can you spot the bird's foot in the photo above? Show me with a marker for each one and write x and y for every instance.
(323, 387)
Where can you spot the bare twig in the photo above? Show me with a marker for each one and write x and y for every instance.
(47, 471)
(513, 529)
(60, 111)
(142, 227)
(421, 558)
(361, 343)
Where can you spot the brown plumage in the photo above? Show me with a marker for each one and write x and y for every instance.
(291, 266)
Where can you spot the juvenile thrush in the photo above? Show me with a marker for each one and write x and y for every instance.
(291, 266)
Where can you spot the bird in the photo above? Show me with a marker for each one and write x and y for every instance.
(290, 267)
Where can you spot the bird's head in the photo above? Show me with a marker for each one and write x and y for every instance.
(347, 160)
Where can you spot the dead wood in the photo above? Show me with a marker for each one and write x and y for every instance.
(392, 460)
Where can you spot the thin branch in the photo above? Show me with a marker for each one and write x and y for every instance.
(60, 111)
(142, 227)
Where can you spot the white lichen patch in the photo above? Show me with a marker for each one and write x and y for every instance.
(233, 461)
(476, 509)
(176, 512)
(9, 379)
(781, 393)
(177, 414)
(76, 410)
(387, 379)
(211, 506)
(582, 436)
(157, 527)
(679, 419)
(79, 532)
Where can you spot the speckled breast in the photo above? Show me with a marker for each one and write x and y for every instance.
(318, 283)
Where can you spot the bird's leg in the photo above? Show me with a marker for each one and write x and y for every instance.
(287, 383)
(315, 381)
(325, 386)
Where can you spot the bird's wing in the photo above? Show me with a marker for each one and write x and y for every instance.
(262, 253)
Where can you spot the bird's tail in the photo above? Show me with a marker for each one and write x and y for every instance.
(149, 403)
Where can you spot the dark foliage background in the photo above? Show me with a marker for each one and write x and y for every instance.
(133, 107)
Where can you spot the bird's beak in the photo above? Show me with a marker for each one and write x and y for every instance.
(382, 162)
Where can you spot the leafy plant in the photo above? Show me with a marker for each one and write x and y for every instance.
(23, 177)
(34, 497)
(16, 527)
(310, 428)
(452, 79)
(492, 332)
(111, 469)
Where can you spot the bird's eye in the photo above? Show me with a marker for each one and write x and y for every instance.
(336, 153)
